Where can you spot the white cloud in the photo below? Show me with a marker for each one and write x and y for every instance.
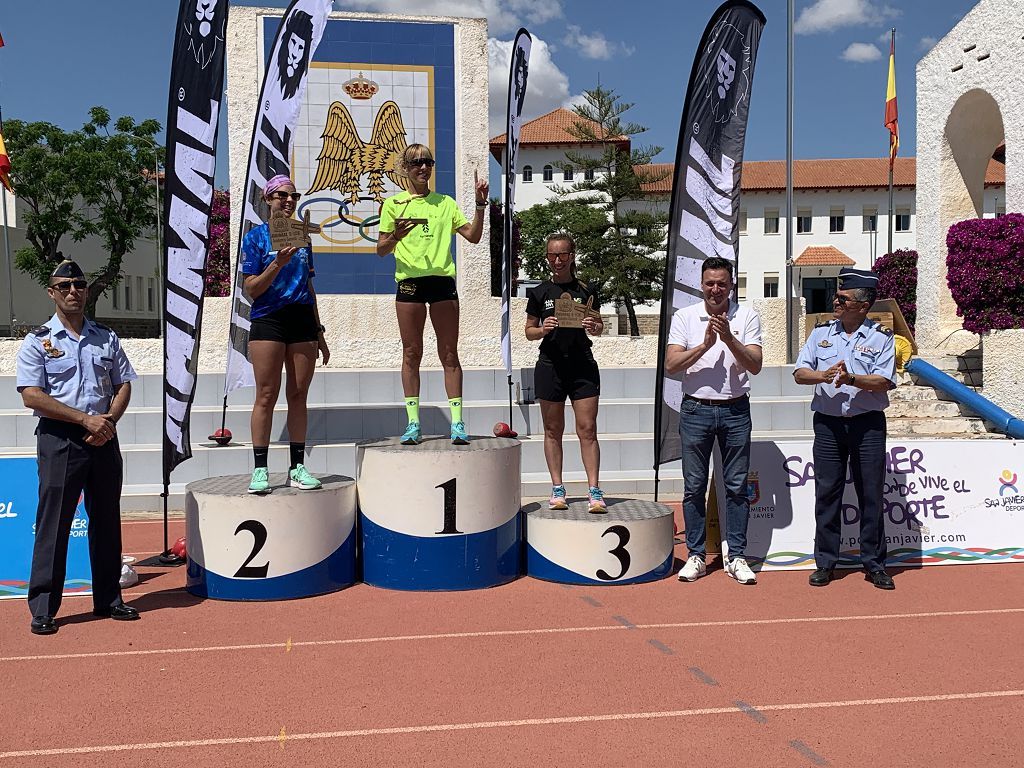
(594, 45)
(860, 53)
(503, 16)
(547, 87)
(926, 44)
(829, 15)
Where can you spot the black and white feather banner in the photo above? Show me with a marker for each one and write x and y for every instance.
(704, 217)
(194, 103)
(277, 111)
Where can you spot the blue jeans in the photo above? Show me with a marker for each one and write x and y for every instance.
(699, 427)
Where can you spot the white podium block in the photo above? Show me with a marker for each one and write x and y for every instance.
(286, 544)
(437, 516)
(630, 543)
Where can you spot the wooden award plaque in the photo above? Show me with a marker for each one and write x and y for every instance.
(286, 232)
(570, 314)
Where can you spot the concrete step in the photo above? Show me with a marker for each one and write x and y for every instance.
(354, 386)
(922, 409)
(968, 361)
(970, 378)
(943, 427)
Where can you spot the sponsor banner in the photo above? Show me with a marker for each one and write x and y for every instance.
(704, 215)
(19, 498)
(194, 102)
(518, 72)
(947, 502)
(281, 97)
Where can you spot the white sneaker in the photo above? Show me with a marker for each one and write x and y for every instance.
(693, 570)
(739, 570)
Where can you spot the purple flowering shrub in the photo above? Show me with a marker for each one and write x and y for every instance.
(897, 279)
(985, 272)
(218, 261)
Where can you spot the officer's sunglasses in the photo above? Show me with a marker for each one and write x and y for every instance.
(843, 299)
(295, 196)
(67, 285)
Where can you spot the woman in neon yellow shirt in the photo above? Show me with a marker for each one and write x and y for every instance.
(417, 226)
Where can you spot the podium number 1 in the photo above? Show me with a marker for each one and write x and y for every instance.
(620, 552)
(449, 506)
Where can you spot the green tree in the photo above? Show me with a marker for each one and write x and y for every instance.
(618, 251)
(75, 184)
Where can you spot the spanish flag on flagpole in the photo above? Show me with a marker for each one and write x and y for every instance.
(5, 164)
(891, 121)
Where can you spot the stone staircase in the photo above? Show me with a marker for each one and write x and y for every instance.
(918, 410)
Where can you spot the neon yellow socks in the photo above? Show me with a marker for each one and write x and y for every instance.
(412, 409)
(455, 404)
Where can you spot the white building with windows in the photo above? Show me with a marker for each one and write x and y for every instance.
(841, 208)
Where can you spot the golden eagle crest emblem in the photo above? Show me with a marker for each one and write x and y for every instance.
(344, 158)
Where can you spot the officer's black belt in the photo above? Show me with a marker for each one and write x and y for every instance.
(730, 401)
(60, 428)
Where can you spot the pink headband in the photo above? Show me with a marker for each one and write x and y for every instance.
(275, 184)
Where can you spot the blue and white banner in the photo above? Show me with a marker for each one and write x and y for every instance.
(518, 72)
(284, 87)
(19, 497)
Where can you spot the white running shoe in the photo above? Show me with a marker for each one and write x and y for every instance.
(739, 570)
(693, 570)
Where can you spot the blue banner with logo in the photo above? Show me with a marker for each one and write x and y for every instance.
(19, 497)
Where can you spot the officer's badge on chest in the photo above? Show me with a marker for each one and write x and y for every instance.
(825, 343)
(51, 350)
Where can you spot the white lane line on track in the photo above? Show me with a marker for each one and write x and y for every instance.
(510, 633)
(531, 722)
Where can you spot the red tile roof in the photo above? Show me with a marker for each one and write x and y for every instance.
(823, 256)
(552, 128)
(845, 173)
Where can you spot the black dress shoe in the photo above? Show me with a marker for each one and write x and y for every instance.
(880, 579)
(119, 612)
(43, 625)
(821, 577)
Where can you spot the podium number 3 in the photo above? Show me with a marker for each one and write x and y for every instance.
(259, 536)
(620, 552)
(449, 506)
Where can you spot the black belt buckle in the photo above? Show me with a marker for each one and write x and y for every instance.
(715, 403)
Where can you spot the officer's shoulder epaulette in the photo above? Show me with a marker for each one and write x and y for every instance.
(886, 331)
(42, 330)
(101, 326)
(823, 323)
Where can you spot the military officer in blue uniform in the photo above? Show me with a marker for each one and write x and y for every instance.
(851, 361)
(75, 377)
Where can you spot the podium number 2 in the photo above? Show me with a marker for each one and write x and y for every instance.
(259, 536)
(449, 506)
(620, 552)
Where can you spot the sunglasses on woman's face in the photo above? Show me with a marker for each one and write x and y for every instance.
(282, 196)
(67, 285)
(422, 161)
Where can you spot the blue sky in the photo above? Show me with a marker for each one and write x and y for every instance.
(62, 57)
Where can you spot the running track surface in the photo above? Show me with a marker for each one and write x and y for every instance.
(529, 674)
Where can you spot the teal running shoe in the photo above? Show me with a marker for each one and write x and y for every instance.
(597, 504)
(558, 500)
(301, 479)
(260, 482)
(412, 435)
(459, 436)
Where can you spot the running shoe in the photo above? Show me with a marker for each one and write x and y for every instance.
(597, 504)
(693, 570)
(459, 436)
(260, 482)
(412, 434)
(557, 500)
(739, 570)
(301, 479)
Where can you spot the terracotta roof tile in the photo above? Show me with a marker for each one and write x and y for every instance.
(823, 256)
(846, 173)
(552, 128)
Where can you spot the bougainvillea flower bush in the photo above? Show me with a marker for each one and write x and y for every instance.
(218, 260)
(897, 279)
(985, 272)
